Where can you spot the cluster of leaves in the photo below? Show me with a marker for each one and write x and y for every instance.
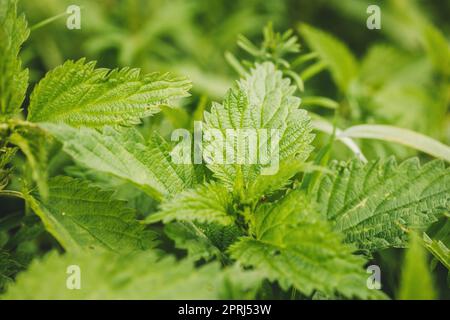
(227, 230)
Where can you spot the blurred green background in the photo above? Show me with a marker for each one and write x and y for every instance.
(402, 71)
(399, 75)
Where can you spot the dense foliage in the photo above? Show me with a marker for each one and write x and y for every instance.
(88, 177)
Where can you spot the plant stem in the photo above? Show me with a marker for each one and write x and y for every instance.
(47, 21)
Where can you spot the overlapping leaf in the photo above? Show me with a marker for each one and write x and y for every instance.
(262, 103)
(206, 203)
(296, 247)
(202, 240)
(125, 154)
(376, 203)
(80, 217)
(78, 94)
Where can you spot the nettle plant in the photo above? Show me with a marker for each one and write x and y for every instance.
(216, 230)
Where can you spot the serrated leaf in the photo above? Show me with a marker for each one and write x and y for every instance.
(125, 154)
(334, 53)
(137, 276)
(13, 79)
(374, 204)
(262, 103)
(265, 185)
(295, 246)
(202, 240)
(206, 203)
(79, 94)
(80, 217)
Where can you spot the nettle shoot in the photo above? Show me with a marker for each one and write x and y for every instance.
(247, 204)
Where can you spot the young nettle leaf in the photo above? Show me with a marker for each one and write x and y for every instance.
(188, 236)
(13, 79)
(203, 240)
(134, 276)
(206, 203)
(265, 185)
(295, 246)
(79, 94)
(252, 209)
(263, 101)
(82, 217)
(375, 204)
(125, 154)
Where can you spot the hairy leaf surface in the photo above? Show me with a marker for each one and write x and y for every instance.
(13, 79)
(125, 154)
(79, 94)
(262, 103)
(296, 247)
(375, 204)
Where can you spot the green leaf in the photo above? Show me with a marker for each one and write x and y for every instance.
(78, 94)
(206, 203)
(133, 276)
(8, 268)
(295, 246)
(80, 217)
(338, 58)
(399, 135)
(265, 185)
(13, 80)
(375, 204)
(32, 142)
(126, 155)
(416, 281)
(262, 103)
(202, 240)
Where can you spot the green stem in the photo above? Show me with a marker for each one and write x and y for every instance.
(47, 21)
